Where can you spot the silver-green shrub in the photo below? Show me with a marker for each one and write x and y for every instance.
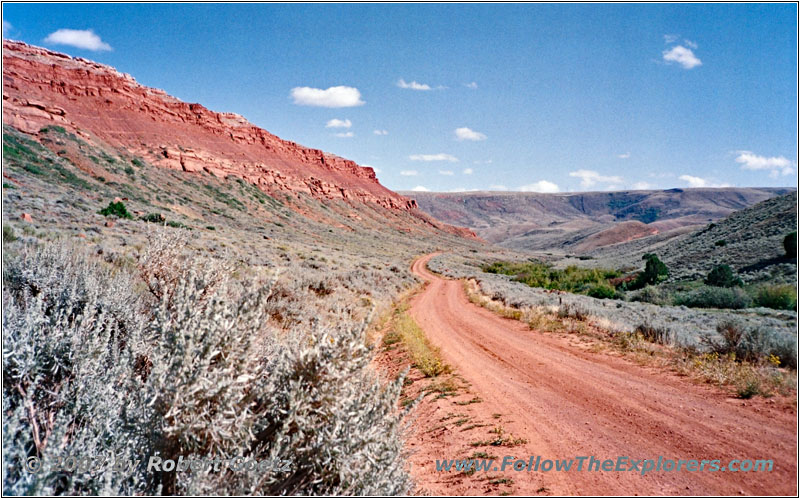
(181, 359)
(68, 328)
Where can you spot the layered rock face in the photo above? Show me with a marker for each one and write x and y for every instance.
(44, 88)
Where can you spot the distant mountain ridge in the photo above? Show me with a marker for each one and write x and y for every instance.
(580, 222)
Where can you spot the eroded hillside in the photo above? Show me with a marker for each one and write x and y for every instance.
(581, 222)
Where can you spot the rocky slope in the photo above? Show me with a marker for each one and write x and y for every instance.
(107, 108)
(581, 222)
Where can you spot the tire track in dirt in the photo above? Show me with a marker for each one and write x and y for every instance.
(568, 402)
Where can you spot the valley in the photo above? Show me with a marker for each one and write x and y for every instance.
(179, 281)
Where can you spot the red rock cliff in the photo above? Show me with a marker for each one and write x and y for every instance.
(41, 88)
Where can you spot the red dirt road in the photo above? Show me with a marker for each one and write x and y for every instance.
(569, 402)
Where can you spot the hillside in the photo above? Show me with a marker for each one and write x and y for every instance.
(174, 278)
(102, 110)
(581, 222)
(749, 240)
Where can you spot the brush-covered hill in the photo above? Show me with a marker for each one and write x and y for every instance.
(582, 222)
(101, 126)
(175, 277)
(749, 240)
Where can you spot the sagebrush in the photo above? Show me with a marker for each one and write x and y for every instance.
(177, 357)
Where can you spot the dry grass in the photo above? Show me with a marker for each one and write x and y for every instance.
(537, 318)
(424, 356)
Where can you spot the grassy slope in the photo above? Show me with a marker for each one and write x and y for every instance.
(64, 181)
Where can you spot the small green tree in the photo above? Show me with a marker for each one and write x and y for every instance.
(790, 244)
(722, 276)
(654, 272)
(117, 209)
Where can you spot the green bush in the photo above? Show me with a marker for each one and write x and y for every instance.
(116, 209)
(780, 296)
(177, 225)
(603, 291)
(541, 275)
(715, 297)
(721, 242)
(652, 294)
(722, 276)
(654, 272)
(790, 244)
(8, 234)
(54, 128)
(154, 218)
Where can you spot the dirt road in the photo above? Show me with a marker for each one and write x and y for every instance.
(569, 402)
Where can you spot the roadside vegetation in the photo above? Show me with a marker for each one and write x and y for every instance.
(173, 355)
(424, 356)
(747, 361)
(154, 312)
(591, 282)
(722, 288)
(745, 350)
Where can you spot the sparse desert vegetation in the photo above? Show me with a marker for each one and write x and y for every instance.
(169, 356)
(177, 321)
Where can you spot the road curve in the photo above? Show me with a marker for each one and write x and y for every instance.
(569, 402)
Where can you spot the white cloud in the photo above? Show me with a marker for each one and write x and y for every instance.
(471, 85)
(446, 172)
(624, 155)
(683, 56)
(670, 38)
(694, 181)
(777, 165)
(413, 85)
(80, 38)
(467, 171)
(409, 173)
(591, 177)
(7, 26)
(337, 123)
(641, 186)
(690, 43)
(344, 135)
(339, 96)
(380, 132)
(498, 187)
(433, 157)
(700, 182)
(540, 186)
(465, 133)
(420, 188)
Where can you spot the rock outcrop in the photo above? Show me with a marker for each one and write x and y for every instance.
(45, 88)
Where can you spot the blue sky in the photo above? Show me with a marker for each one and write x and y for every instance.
(458, 97)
